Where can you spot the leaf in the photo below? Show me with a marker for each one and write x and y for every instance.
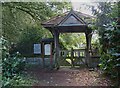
(7, 83)
(117, 65)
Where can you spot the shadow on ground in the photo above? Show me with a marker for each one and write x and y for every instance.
(67, 76)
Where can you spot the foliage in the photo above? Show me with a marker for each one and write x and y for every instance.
(110, 59)
(109, 37)
(21, 22)
(28, 38)
(17, 17)
(73, 40)
(59, 7)
(11, 65)
(21, 25)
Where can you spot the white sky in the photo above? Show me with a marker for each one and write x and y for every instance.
(78, 4)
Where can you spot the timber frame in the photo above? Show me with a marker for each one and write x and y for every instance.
(71, 22)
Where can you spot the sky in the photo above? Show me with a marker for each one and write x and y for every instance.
(78, 5)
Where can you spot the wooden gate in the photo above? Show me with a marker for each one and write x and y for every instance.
(73, 57)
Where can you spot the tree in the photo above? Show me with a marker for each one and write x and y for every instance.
(21, 20)
(72, 40)
(18, 16)
(21, 26)
(109, 37)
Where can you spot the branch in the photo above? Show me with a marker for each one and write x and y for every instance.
(28, 12)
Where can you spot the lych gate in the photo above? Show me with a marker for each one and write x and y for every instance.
(72, 22)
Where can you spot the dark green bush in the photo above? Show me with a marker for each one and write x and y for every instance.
(110, 58)
(12, 65)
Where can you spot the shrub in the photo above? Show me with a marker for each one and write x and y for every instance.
(12, 65)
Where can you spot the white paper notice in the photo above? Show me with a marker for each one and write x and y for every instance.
(47, 49)
(37, 48)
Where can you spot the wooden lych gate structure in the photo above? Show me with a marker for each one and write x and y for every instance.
(70, 22)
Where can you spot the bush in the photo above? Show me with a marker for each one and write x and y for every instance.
(110, 58)
(12, 66)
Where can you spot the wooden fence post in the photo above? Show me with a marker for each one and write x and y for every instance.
(72, 57)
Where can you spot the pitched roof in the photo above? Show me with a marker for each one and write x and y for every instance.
(59, 19)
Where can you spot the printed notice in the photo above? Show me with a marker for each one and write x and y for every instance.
(37, 48)
(47, 49)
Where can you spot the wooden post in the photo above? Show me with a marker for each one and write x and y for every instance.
(56, 41)
(43, 58)
(88, 41)
(72, 57)
(90, 59)
(86, 59)
(51, 57)
(87, 50)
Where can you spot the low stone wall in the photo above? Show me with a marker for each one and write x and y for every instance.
(38, 61)
(94, 61)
